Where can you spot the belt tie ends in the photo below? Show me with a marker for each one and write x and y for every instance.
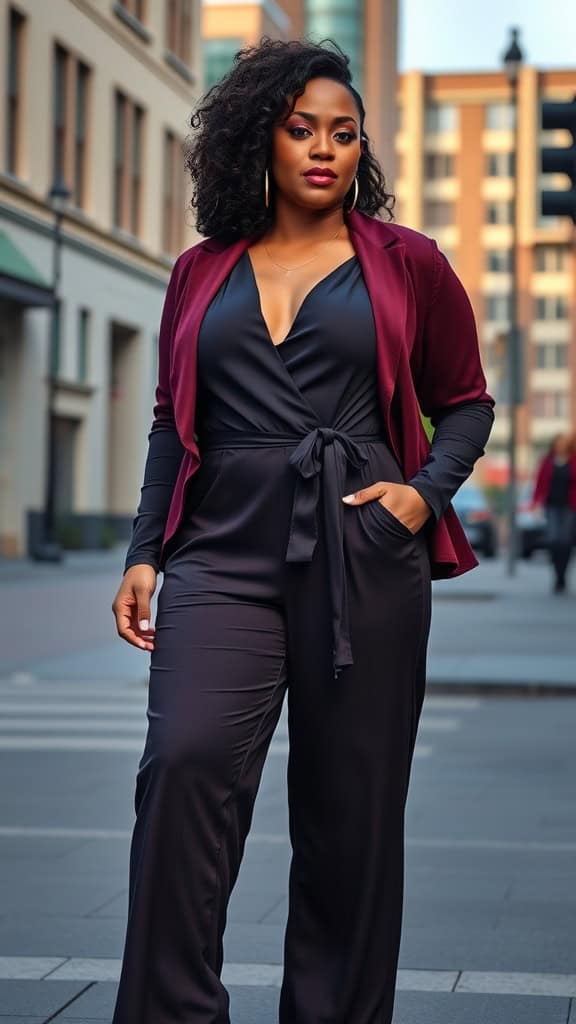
(320, 458)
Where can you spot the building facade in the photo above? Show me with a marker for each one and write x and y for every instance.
(95, 94)
(456, 181)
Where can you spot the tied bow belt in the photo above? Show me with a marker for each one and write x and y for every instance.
(320, 459)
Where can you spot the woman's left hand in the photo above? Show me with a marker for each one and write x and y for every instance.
(402, 500)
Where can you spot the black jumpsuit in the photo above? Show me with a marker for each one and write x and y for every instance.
(273, 583)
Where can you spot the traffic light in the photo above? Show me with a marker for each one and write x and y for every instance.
(559, 159)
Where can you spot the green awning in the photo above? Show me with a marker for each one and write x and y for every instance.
(19, 280)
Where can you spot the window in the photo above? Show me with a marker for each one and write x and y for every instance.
(499, 116)
(499, 211)
(500, 165)
(438, 212)
(498, 260)
(553, 404)
(128, 130)
(440, 117)
(119, 136)
(13, 90)
(60, 112)
(82, 368)
(82, 74)
(551, 307)
(439, 165)
(499, 307)
(552, 356)
(136, 169)
(173, 194)
(179, 29)
(70, 119)
(218, 58)
(551, 257)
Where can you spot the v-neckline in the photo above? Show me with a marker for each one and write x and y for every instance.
(302, 304)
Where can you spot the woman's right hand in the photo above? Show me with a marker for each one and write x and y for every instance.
(131, 606)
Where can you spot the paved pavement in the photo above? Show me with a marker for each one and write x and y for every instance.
(488, 629)
(490, 901)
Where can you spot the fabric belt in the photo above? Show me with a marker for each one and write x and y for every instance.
(320, 459)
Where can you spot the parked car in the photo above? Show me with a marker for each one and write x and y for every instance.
(477, 518)
(530, 523)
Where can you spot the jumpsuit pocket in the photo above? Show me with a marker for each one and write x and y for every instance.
(388, 520)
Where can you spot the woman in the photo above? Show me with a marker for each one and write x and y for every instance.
(298, 513)
(555, 489)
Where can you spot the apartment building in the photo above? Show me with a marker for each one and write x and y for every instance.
(94, 95)
(456, 181)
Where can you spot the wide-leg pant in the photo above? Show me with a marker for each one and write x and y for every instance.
(219, 673)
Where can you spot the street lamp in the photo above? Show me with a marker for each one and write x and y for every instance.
(512, 60)
(49, 550)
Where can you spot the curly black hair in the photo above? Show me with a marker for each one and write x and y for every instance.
(231, 140)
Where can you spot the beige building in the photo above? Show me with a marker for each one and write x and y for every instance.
(455, 181)
(98, 94)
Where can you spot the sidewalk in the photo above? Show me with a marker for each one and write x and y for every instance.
(489, 631)
(510, 633)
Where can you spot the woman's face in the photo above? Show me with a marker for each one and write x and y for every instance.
(322, 132)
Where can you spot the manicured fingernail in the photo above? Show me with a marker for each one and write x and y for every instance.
(349, 498)
(143, 624)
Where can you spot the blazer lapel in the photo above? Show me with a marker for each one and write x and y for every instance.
(382, 256)
(212, 263)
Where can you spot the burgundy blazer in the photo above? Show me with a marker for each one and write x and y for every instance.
(544, 479)
(427, 353)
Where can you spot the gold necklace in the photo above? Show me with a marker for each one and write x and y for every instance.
(287, 270)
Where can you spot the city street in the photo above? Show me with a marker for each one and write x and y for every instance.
(490, 898)
(384, 192)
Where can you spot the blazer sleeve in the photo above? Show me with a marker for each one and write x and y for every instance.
(445, 362)
(457, 443)
(451, 388)
(165, 449)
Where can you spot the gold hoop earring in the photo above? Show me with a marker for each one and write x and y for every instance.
(266, 189)
(355, 195)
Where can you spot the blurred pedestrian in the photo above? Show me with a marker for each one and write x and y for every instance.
(555, 491)
(299, 514)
